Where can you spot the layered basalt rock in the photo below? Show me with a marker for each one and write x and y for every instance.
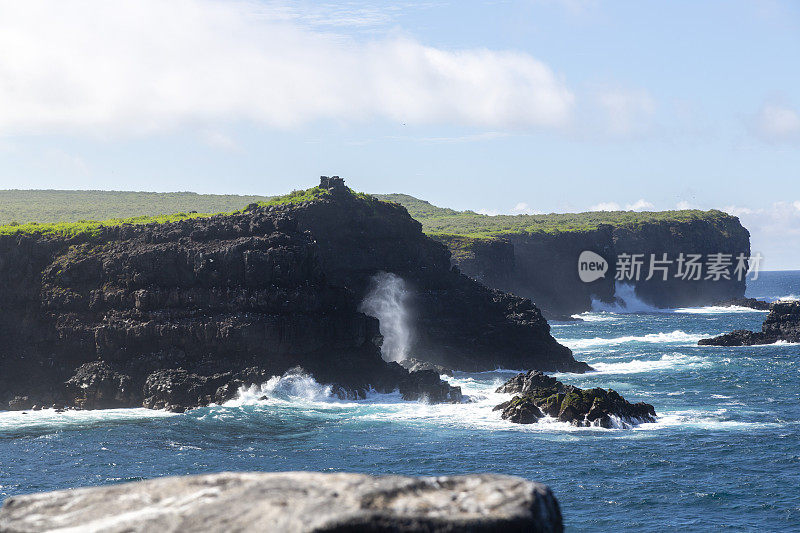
(182, 314)
(782, 324)
(538, 395)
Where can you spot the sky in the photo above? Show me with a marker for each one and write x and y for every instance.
(530, 106)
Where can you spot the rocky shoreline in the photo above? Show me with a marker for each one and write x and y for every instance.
(179, 315)
(781, 324)
(538, 395)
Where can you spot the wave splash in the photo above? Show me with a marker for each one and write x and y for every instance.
(636, 366)
(625, 301)
(677, 336)
(294, 385)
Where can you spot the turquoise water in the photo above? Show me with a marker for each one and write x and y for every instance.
(724, 454)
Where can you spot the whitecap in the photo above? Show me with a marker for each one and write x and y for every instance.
(635, 366)
(677, 336)
(52, 419)
(717, 310)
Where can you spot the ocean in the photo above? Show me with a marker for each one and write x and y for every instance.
(723, 455)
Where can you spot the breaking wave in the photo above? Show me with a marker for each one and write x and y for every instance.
(666, 362)
(626, 301)
(294, 385)
(675, 337)
(716, 310)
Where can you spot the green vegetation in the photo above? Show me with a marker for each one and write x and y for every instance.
(93, 228)
(76, 212)
(90, 228)
(296, 197)
(446, 223)
(72, 206)
(463, 246)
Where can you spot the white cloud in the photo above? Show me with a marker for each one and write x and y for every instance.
(134, 66)
(627, 111)
(774, 230)
(776, 123)
(490, 212)
(683, 204)
(605, 206)
(739, 211)
(521, 207)
(639, 205)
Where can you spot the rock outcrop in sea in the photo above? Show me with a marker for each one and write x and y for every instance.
(782, 324)
(752, 303)
(182, 314)
(538, 395)
(293, 502)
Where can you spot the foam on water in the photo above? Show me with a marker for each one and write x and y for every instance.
(45, 419)
(295, 390)
(665, 362)
(292, 386)
(677, 336)
(590, 316)
(717, 310)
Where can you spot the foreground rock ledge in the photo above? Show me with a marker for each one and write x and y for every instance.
(292, 502)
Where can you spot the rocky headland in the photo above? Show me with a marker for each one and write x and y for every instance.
(781, 324)
(536, 256)
(538, 395)
(181, 314)
(293, 502)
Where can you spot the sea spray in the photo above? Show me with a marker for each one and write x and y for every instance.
(625, 301)
(293, 385)
(387, 300)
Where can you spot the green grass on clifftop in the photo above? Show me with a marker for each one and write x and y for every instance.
(447, 222)
(90, 228)
(72, 206)
(93, 228)
(75, 212)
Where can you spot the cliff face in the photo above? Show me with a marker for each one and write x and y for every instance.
(181, 314)
(545, 265)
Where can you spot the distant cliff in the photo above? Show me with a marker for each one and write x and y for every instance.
(181, 312)
(536, 256)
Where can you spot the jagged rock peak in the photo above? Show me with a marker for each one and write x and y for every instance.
(331, 183)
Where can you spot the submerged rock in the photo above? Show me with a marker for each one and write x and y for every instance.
(781, 324)
(293, 502)
(539, 395)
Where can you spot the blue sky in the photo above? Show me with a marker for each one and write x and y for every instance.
(499, 107)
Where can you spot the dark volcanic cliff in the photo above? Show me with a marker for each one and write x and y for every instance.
(543, 266)
(181, 314)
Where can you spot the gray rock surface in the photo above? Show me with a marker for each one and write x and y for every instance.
(292, 502)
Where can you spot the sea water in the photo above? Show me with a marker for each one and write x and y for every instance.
(724, 453)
